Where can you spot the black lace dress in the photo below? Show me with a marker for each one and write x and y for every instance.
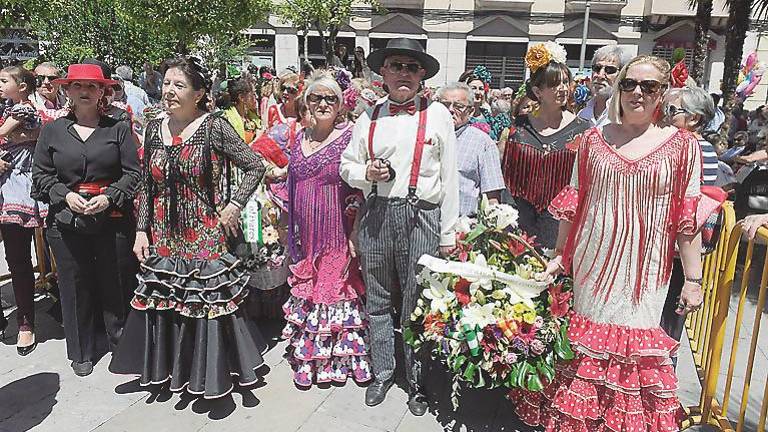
(187, 326)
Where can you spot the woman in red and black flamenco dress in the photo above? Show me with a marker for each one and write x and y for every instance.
(634, 193)
(187, 327)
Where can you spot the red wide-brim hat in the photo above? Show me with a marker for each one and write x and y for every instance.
(84, 72)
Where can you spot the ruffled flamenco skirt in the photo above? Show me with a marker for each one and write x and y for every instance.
(187, 328)
(621, 380)
(326, 323)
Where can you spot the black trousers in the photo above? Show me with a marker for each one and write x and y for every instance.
(97, 275)
(17, 241)
(671, 321)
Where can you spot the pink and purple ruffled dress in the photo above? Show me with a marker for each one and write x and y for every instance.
(326, 322)
(626, 215)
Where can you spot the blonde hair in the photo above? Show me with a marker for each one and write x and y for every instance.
(662, 66)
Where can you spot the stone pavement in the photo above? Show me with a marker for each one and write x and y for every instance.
(40, 393)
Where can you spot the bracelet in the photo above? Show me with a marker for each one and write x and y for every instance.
(696, 281)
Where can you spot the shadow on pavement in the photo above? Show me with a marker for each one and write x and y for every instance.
(26, 402)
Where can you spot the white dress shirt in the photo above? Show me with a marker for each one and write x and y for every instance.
(588, 113)
(395, 140)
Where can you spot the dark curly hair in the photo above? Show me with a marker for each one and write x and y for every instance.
(236, 88)
(196, 73)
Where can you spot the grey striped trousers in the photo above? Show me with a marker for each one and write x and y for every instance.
(393, 235)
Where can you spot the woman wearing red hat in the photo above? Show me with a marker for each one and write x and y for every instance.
(86, 168)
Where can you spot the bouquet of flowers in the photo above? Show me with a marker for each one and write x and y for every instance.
(484, 314)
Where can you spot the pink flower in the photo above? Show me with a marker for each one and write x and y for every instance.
(537, 347)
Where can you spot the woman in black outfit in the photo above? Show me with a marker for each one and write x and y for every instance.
(86, 167)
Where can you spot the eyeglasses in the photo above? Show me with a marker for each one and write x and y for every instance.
(609, 70)
(397, 67)
(42, 78)
(290, 89)
(647, 86)
(673, 111)
(329, 99)
(460, 107)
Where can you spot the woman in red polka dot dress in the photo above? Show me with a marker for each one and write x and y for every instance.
(633, 194)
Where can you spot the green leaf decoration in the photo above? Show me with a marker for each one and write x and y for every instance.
(534, 383)
(475, 233)
(678, 54)
(408, 335)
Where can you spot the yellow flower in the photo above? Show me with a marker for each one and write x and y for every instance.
(536, 57)
(520, 308)
(529, 317)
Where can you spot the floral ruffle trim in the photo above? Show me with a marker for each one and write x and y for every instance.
(602, 390)
(563, 206)
(327, 342)
(687, 218)
(194, 288)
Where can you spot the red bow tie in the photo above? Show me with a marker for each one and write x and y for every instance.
(409, 108)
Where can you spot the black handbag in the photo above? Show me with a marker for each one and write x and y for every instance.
(68, 220)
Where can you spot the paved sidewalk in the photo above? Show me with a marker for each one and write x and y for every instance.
(40, 393)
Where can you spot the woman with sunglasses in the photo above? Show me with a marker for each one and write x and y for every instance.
(539, 153)
(288, 90)
(634, 194)
(326, 322)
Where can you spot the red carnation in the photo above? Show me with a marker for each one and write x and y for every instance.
(461, 289)
(679, 74)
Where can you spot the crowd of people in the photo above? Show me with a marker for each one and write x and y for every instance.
(168, 202)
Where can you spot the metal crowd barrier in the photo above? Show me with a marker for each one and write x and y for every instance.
(707, 333)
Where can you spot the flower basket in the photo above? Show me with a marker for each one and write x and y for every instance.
(484, 312)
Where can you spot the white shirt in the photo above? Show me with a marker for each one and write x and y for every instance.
(394, 140)
(588, 113)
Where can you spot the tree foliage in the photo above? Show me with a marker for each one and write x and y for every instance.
(133, 31)
(325, 16)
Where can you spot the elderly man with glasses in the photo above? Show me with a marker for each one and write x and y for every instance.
(478, 162)
(606, 64)
(48, 97)
(402, 155)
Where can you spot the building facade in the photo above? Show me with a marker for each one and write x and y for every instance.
(497, 33)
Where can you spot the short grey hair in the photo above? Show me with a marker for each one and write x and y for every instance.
(612, 52)
(48, 64)
(455, 85)
(696, 101)
(323, 79)
(501, 106)
(124, 72)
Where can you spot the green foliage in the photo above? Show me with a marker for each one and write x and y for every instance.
(677, 55)
(134, 31)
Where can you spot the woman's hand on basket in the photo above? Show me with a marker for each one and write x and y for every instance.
(230, 219)
(554, 268)
(141, 246)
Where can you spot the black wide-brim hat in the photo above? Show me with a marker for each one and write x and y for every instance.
(406, 47)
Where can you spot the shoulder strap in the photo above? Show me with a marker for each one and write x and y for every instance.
(418, 151)
(371, 131)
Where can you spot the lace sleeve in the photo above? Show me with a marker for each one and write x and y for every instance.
(142, 190)
(227, 142)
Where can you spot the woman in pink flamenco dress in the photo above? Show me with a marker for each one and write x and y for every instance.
(633, 196)
(326, 323)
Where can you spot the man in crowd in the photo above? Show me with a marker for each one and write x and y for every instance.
(403, 157)
(478, 160)
(136, 97)
(47, 96)
(719, 118)
(151, 81)
(606, 64)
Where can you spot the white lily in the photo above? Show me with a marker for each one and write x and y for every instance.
(476, 315)
(482, 280)
(438, 293)
(503, 215)
(464, 225)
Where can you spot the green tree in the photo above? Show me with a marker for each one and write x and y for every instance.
(325, 16)
(736, 32)
(188, 22)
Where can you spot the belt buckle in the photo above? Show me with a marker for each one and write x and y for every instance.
(412, 199)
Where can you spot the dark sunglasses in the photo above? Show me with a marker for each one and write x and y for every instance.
(609, 70)
(41, 78)
(647, 86)
(673, 111)
(329, 99)
(290, 89)
(397, 67)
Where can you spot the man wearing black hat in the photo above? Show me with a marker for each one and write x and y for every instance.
(403, 157)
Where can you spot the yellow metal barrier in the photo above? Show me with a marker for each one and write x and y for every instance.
(707, 334)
